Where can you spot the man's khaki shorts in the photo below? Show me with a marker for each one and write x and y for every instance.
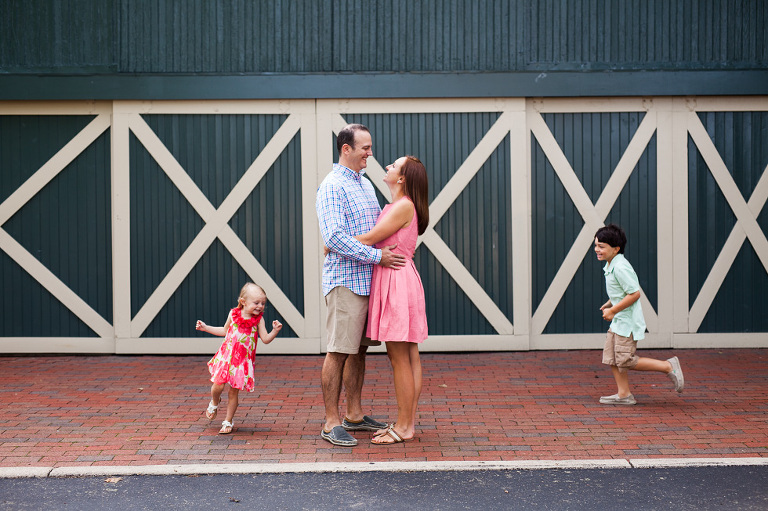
(620, 351)
(346, 321)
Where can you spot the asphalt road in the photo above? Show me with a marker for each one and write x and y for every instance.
(699, 488)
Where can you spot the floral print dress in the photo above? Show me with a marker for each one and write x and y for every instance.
(233, 363)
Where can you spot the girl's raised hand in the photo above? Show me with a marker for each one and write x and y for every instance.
(200, 325)
(276, 326)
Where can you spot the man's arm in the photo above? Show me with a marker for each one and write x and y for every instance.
(330, 214)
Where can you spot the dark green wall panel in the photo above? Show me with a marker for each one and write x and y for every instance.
(215, 151)
(66, 225)
(741, 139)
(593, 145)
(288, 36)
(24, 302)
(163, 224)
(475, 227)
(58, 36)
(270, 224)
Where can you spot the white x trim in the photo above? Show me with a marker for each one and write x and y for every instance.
(746, 221)
(440, 205)
(23, 257)
(593, 214)
(216, 223)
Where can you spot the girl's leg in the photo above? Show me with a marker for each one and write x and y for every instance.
(399, 356)
(232, 403)
(622, 381)
(216, 390)
(651, 364)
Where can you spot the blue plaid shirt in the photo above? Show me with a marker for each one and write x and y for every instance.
(346, 207)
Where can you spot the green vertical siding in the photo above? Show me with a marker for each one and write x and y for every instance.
(216, 151)
(315, 36)
(741, 139)
(60, 35)
(476, 227)
(66, 226)
(593, 145)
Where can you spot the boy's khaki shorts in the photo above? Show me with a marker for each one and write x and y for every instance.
(620, 351)
(346, 321)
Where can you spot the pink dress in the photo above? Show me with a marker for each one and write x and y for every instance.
(233, 363)
(396, 308)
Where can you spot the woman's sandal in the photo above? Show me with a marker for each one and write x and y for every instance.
(210, 413)
(226, 428)
(391, 433)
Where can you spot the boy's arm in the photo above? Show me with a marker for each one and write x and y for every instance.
(625, 302)
(265, 337)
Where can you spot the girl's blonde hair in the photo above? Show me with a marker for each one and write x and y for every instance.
(244, 291)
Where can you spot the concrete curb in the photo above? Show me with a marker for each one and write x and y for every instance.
(17, 472)
(282, 468)
(697, 462)
(396, 466)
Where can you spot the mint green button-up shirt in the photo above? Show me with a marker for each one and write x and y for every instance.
(620, 281)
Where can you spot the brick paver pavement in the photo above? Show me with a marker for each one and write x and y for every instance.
(146, 410)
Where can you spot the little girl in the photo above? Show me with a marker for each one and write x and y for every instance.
(233, 363)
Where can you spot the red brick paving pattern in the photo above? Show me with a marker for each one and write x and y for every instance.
(147, 410)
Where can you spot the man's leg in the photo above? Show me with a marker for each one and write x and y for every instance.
(331, 380)
(354, 377)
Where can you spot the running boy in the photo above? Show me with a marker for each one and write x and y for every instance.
(626, 316)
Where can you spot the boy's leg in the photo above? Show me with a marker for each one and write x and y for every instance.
(669, 367)
(623, 396)
(652, 364)
(619, 354)
(622, 381)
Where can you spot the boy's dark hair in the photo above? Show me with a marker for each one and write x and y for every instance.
(347, 135)
(612, 235)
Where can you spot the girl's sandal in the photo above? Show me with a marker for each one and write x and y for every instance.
(226, 428)
(210, 413)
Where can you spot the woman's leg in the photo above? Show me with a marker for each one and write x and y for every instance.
(399, 356)
(417, 375)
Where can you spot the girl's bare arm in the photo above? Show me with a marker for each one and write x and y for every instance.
(265, 337)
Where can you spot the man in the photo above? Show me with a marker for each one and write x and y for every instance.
(346, 207)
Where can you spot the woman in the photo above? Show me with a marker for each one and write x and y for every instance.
(396, 308)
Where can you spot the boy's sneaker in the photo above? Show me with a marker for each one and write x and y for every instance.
(616, 400)
(676, 375)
